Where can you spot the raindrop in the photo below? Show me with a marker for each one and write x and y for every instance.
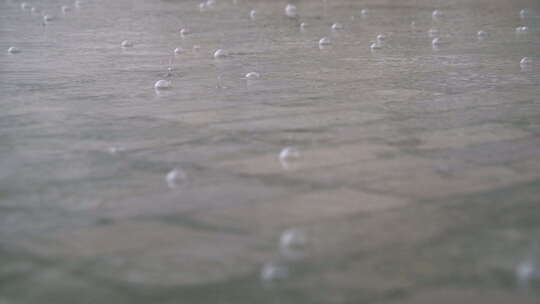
(162, 84)
(220, 54)
(291, 11)
(337, 26)
(14, 50)
(126, 44)
(175, 178)
(252, 75)
(325, 41)
(272, 272)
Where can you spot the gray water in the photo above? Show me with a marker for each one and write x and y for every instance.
(417, 179)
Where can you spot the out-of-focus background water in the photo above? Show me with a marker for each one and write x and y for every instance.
(404, 173)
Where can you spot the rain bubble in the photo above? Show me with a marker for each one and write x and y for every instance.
(524, 13)
(381, 38)
(211, 3)
(527, 272)
(48, 18)
(325, 41)
(202, 7)
(481, 34)
(436, 41)
(14, 50)
(175, 178)
(287, 156)
(116, 150)
(433, 32)
(25, 6)
(220, 54)
(179, 50)
(126, 44)
(35, 10)
(253, 14)
(303, 26)
(292, 244)
(184, 32)
(525, 60)
(272, 272)
(66, 9)
(291, 11)
(522, 29)
(252, 75)
(375, 46)
(162, 85)
(337, 26)
(364, 12)
(436, 14)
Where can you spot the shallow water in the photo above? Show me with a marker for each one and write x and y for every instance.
(415, 177)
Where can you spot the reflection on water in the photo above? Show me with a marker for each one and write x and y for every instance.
(306, 152)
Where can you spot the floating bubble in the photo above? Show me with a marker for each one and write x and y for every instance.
(162, 85)
(433, 32)
(253, 76)
(272, 272)
(179, 50)
(14, 50)
(66, 9)
(291, 11)
(175, 178)
(220, 54)
(126, 44)
(325, 41)
(337, 26)
(253, 14)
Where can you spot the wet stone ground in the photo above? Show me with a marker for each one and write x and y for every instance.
(406, 173)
